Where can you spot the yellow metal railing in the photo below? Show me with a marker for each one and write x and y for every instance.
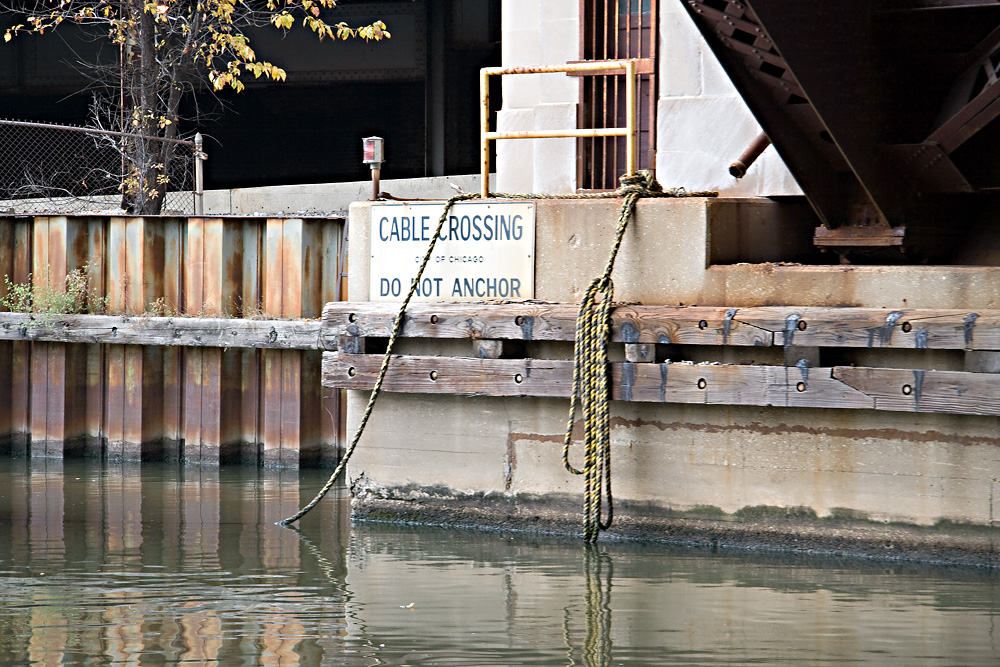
(590, 67)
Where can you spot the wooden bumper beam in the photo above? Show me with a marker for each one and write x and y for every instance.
(640, 328)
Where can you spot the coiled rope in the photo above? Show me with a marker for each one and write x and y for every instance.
(590, 364)
(590, 358)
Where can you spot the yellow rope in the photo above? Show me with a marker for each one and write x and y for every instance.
(590, 382)
(597, 644)
(590, 363)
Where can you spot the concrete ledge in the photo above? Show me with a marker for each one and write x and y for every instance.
(759, 528)
(713, 252)
(325, 199)
(775, 284)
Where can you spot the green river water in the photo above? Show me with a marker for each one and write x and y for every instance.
(156, 564)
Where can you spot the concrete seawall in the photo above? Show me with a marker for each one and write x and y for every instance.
(888, 484)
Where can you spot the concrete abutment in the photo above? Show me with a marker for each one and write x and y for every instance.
(799, 478)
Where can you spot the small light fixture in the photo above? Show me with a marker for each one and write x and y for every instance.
(373, 152)
(374, 157)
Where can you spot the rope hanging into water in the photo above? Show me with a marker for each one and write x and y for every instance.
(590, 383)
(377, 388)
(590, 378)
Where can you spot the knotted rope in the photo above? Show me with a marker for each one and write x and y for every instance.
(590, 382)
(590, 363)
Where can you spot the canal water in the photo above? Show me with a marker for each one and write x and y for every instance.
(155, 564)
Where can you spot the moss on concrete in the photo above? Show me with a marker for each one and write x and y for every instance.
(759, 527)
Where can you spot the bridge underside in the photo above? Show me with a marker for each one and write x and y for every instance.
(885, 112)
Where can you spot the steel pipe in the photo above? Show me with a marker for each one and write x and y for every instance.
(749, 156)
(593, 67)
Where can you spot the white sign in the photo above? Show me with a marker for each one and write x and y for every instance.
(484, 251)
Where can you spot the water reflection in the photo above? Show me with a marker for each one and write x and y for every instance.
(150, 564)
(598, 574)
(126, 562)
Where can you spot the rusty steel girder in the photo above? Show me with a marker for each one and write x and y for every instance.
(885, 111)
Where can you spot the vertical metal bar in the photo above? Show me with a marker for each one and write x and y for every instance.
(615, 93)
(594, 86)
(600, 52)
(630, 105)
(484, 127)
(199, 175)
(628, 29)
(642, 162)
(601, 119)
(654, 41)
(595, 89)
(638, 38)
(594, 54)
(376, 182)
(652, 80)
(581, 110)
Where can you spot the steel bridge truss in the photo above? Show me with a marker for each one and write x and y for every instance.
(885, 111)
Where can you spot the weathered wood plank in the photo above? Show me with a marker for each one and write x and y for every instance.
(451, 375)
(878, 327)
(727, 384)
(711, 384)
(685, 326)
(694, 325)
(526, 321)
(906, 390)
(174, 331)
(537, 321)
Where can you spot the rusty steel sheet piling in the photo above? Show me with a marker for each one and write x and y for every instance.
(170, 372)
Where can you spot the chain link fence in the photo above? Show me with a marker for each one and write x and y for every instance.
(67, 169)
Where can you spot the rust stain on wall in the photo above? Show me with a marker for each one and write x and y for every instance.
(930, 436)
(831, 432)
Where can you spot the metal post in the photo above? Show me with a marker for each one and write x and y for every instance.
(376, 182)
(601, 67)
(199, 174)
(484, 123)
(631, 140)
